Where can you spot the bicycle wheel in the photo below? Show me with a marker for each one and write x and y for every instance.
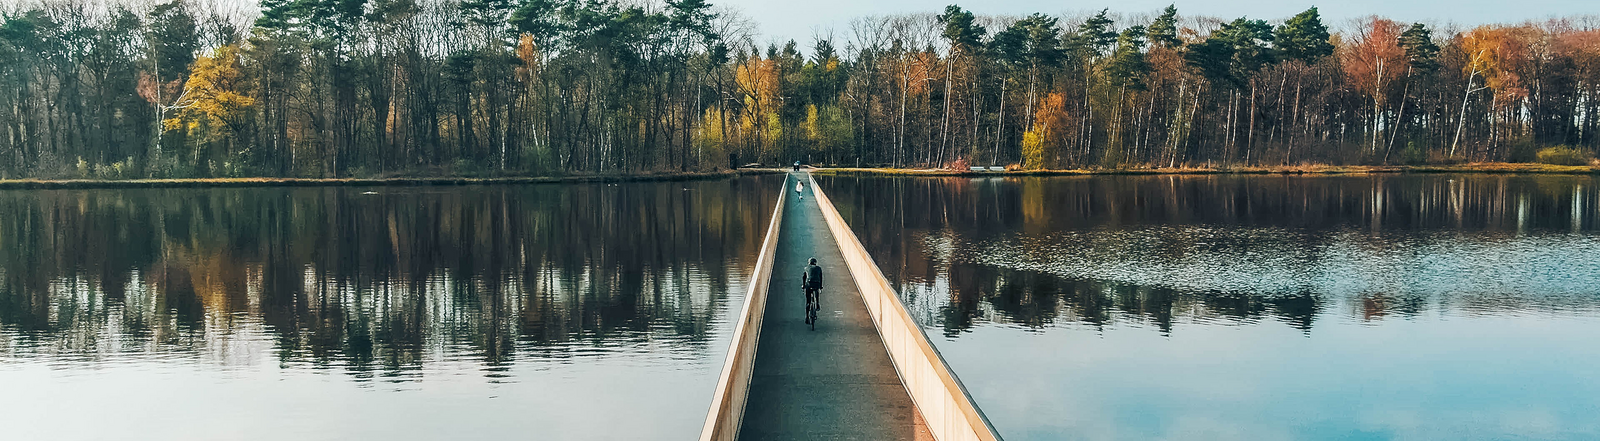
(811, 310)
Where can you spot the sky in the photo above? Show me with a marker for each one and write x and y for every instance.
(801, 19)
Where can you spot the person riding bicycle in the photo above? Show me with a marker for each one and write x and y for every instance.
(812, 282)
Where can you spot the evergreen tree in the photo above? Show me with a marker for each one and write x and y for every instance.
(1211, 57)
(1096, 35)
(1042, 50)
(1234, 52)
(489, 14)
(1421, 52)
(538, 18)
(1248, 46)
(693, 17)
(1044, 45)
(960, 28)
(1127, 66)
(1010, 45)
(1303, 37)
(1163, 31)
(174, 38)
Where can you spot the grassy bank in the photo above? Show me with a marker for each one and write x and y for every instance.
(1491, 167)
(1488, 167)
(378, 182)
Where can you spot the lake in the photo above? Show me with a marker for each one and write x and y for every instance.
(1414, 307)
(1403, 307)
(572, 311)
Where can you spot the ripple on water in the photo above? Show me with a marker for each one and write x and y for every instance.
(1463, 272)
(1220, 307)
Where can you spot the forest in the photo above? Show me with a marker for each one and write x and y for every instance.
(373, 88)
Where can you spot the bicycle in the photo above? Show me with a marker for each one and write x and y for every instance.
(812, 306)
(811, 282)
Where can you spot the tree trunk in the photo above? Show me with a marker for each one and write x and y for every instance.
(1461, 122)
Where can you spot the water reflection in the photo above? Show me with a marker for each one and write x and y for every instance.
(372, 280)
(1375, 203)
(1431, 307)
(385, 286)
(1090, 251)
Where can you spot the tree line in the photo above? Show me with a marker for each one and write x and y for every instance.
(340, 88)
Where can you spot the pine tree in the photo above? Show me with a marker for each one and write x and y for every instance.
(1421, 52)
(1163, 32)
(1303, 38)
(1096, 35)
(960, 28)
(1127, 66)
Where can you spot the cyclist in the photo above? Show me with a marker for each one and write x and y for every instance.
(812, 282)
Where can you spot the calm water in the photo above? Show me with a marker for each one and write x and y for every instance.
(526, 312)
(1431, 307)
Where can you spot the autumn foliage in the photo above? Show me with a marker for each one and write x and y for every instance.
(541, 87)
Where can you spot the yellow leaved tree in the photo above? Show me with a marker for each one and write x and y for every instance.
(1496, 55)
(216, 106)
(1041, 143)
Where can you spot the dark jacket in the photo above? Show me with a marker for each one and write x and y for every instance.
(813, 277)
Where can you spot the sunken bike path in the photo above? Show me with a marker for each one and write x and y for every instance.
(834, 383)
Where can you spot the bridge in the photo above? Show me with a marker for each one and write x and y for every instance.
(867, 372)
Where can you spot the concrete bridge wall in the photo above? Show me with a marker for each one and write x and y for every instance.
(733, 386)
(943, 402)
(838, 354)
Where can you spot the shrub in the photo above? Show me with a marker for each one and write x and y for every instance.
(960, 164)
(169, 167)
(1112, 159)
(1521, 149)
(1414, 154)
(1439, 157)
(1563, 155)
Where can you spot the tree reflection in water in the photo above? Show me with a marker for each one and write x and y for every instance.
(379, 281)
(1159, 250)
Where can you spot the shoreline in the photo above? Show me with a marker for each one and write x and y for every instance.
(62, 184)
(1473, 168)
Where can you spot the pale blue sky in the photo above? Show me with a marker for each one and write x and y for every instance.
(796, 19)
